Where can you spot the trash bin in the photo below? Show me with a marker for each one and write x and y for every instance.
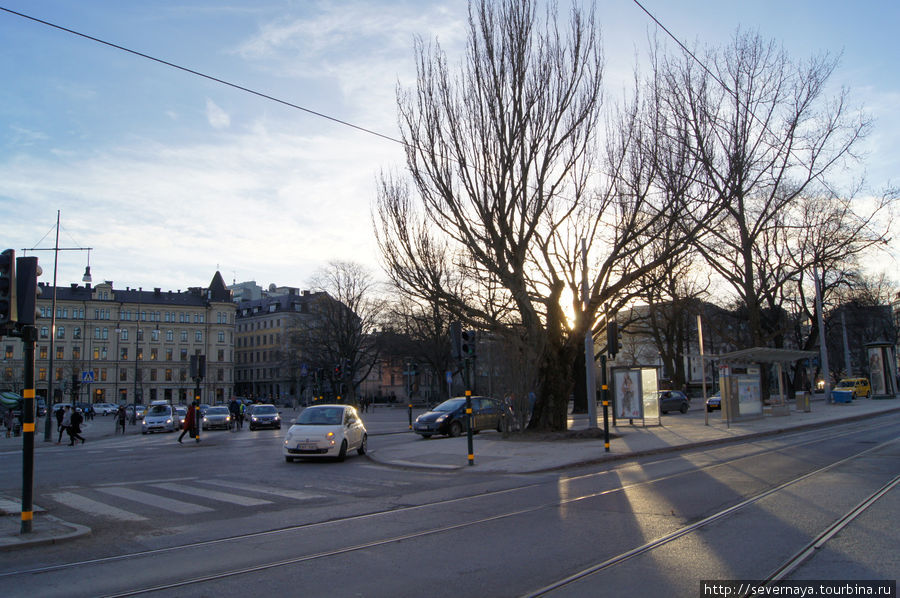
(801, 401)
(842, 396)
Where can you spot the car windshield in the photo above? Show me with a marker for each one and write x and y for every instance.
(846, 383)
(217, 411)
(264, 410)
(321, 416)
(451, 405)
(159, 410)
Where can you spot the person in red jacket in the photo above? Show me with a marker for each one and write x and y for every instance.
(190, 422)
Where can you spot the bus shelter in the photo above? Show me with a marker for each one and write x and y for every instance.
(740, 381)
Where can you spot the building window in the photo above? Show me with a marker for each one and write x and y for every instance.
(45, 332)
(139, 354)
(103, 353)
(198, 336)
(220, 375)
(153, 354)
(103, 374)
(76, 332)
(182, 374)
(168, 374)
(76, 352)
(123, 375)
(184, 355)
(154, 335)
(221, 354)
(60, 352)
(97, 353)
(106, 334)
(221, 336)
(9, 351)
(170, 336)
(60, 332)
(123, 353)
(184, 336)
(42, 374)
(152, 374)
(59, 374)
(42, 352)
(124, 334)
(7, 374)
(140, 334)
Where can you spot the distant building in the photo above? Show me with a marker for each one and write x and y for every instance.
(134, 344)
(267, 365)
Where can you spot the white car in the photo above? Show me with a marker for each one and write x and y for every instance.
(105, 408)
(325, 431)
(159, 418)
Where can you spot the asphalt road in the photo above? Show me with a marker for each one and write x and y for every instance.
(230, 516)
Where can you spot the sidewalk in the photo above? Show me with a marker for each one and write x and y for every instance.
(492, 452)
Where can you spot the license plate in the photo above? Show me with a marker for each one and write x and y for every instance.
(307, 446)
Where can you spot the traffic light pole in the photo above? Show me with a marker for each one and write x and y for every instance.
(29, 336)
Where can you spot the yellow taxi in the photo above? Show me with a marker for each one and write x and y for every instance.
(859, 386)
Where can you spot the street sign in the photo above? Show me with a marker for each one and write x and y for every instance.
(87, 377)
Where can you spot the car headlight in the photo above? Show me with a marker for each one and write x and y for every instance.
(253, 418)
(169, 421)
(204, 418)
(440, 419)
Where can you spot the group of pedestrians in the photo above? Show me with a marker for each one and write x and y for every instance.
(69, 420)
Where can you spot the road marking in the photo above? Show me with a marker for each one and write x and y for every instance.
(153, 500)
(293, 494)
(235, 499)
(93, 507)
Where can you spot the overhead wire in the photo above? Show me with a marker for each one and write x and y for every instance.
(203, 75)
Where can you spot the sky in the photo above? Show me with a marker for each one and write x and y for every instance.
(169, 176)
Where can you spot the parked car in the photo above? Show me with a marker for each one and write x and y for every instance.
(449, 418)
(673, 400)
(714, 402)
(326, 431)
(159, 418)
(41, 407)
(217, 416)
(135, 411)
(859, 386)
(105, 408)
(265, 416)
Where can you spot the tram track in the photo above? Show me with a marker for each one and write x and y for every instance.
(441, 529)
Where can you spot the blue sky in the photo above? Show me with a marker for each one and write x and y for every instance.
(169, 176)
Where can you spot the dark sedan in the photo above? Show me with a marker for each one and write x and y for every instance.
(673, 400)
(265, 416)
(449, 418)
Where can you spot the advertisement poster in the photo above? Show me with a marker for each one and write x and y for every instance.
(628, 395)
(876, 371)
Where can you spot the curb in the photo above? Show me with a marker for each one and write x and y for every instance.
(46, 529)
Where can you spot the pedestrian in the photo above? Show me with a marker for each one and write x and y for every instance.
(190, 423)
(120, 417)
(59, 422)
(8, 422)
(75, 427)
(65, 423)
(235, 408)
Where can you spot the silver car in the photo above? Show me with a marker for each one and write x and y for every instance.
(217, 417)
(159, 418)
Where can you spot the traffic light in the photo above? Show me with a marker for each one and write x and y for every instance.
(455, 341)
(8, 303)
(612, 338)
(467, 343)
(27, 289)
(337, 372)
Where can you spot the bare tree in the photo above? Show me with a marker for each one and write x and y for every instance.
(340, 335)
(765, 136)
(503, 157)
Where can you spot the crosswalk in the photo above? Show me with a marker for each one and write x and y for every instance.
(148, 499)
(143, 501)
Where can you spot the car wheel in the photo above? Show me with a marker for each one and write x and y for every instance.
(343, 452)
(289, 459)
(455, 429)
(362, 447)
(252, 428)
(425, 436)
(684, 408)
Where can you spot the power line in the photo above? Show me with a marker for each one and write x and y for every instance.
(203, 75)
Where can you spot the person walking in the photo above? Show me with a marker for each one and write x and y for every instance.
(190, 422)
(64, 423)
(120, 418)
(8, 422)
(75, 427)
(59, 422)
